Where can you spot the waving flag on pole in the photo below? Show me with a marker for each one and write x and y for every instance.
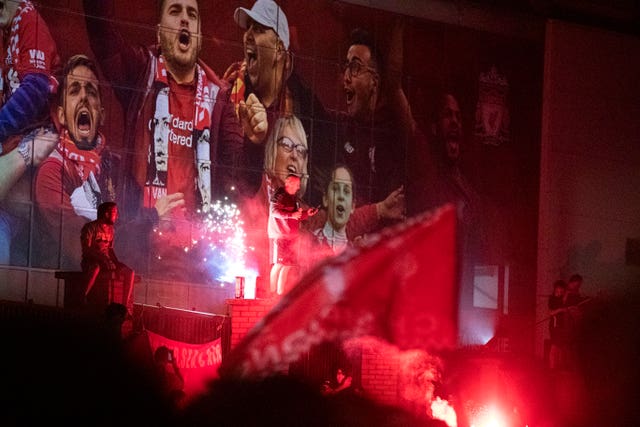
(401, 287)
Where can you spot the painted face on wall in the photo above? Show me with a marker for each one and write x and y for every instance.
(204, 171)
(179, 33)
(360, 82)
(338, 198)
(291, 154)
(449, 126)
(160, 142)
(260, 55)
(81, 112)
(161, 127)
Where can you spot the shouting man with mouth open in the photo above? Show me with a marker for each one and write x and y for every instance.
(170, 74)
(260, 79)
(77, 176)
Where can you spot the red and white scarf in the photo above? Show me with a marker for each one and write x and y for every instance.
(205, 98)
(84, 162)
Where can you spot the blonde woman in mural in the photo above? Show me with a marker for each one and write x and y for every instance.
(280, 159)
(285, 214)
(286, 176)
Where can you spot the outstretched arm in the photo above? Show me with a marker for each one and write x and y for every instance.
(25, 107)
(33, 149)
(121, 62)
(12, 167)
(397, 97)
(345, 384)
(27, 104)
(392, 207)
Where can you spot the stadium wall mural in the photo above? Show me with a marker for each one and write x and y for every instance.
(195, 118)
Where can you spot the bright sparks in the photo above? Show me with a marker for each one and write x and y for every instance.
(215, 241)
(223, 235)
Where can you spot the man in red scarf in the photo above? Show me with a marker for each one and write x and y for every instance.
(182, 138)
(76, 177)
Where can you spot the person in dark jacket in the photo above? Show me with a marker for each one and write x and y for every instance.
(99, 256)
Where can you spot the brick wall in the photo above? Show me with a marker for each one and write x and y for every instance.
(381, 365)
(245, 313)
(380, 373)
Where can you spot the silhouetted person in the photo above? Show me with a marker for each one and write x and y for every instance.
(169, 376)
(608, 350)
(285, 401)
(557, 325)
(342, 383)
(573, 296)
(98, 254)
(67, 371)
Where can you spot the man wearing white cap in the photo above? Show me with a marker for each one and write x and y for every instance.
(263, 73)
(266, 48)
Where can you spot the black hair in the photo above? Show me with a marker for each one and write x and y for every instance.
(345, 368)
(104, 207)
(575, 278)
(559, 284)
(363, 37)
(439, 101)
(72, 63)
(439, 148)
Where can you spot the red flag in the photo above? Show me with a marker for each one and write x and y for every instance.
(401, 287)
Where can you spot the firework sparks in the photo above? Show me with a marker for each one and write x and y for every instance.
(223, 238)
(215, 241)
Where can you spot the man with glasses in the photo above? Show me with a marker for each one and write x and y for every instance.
(372, 137)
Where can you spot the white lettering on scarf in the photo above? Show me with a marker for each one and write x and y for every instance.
(163, 124)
